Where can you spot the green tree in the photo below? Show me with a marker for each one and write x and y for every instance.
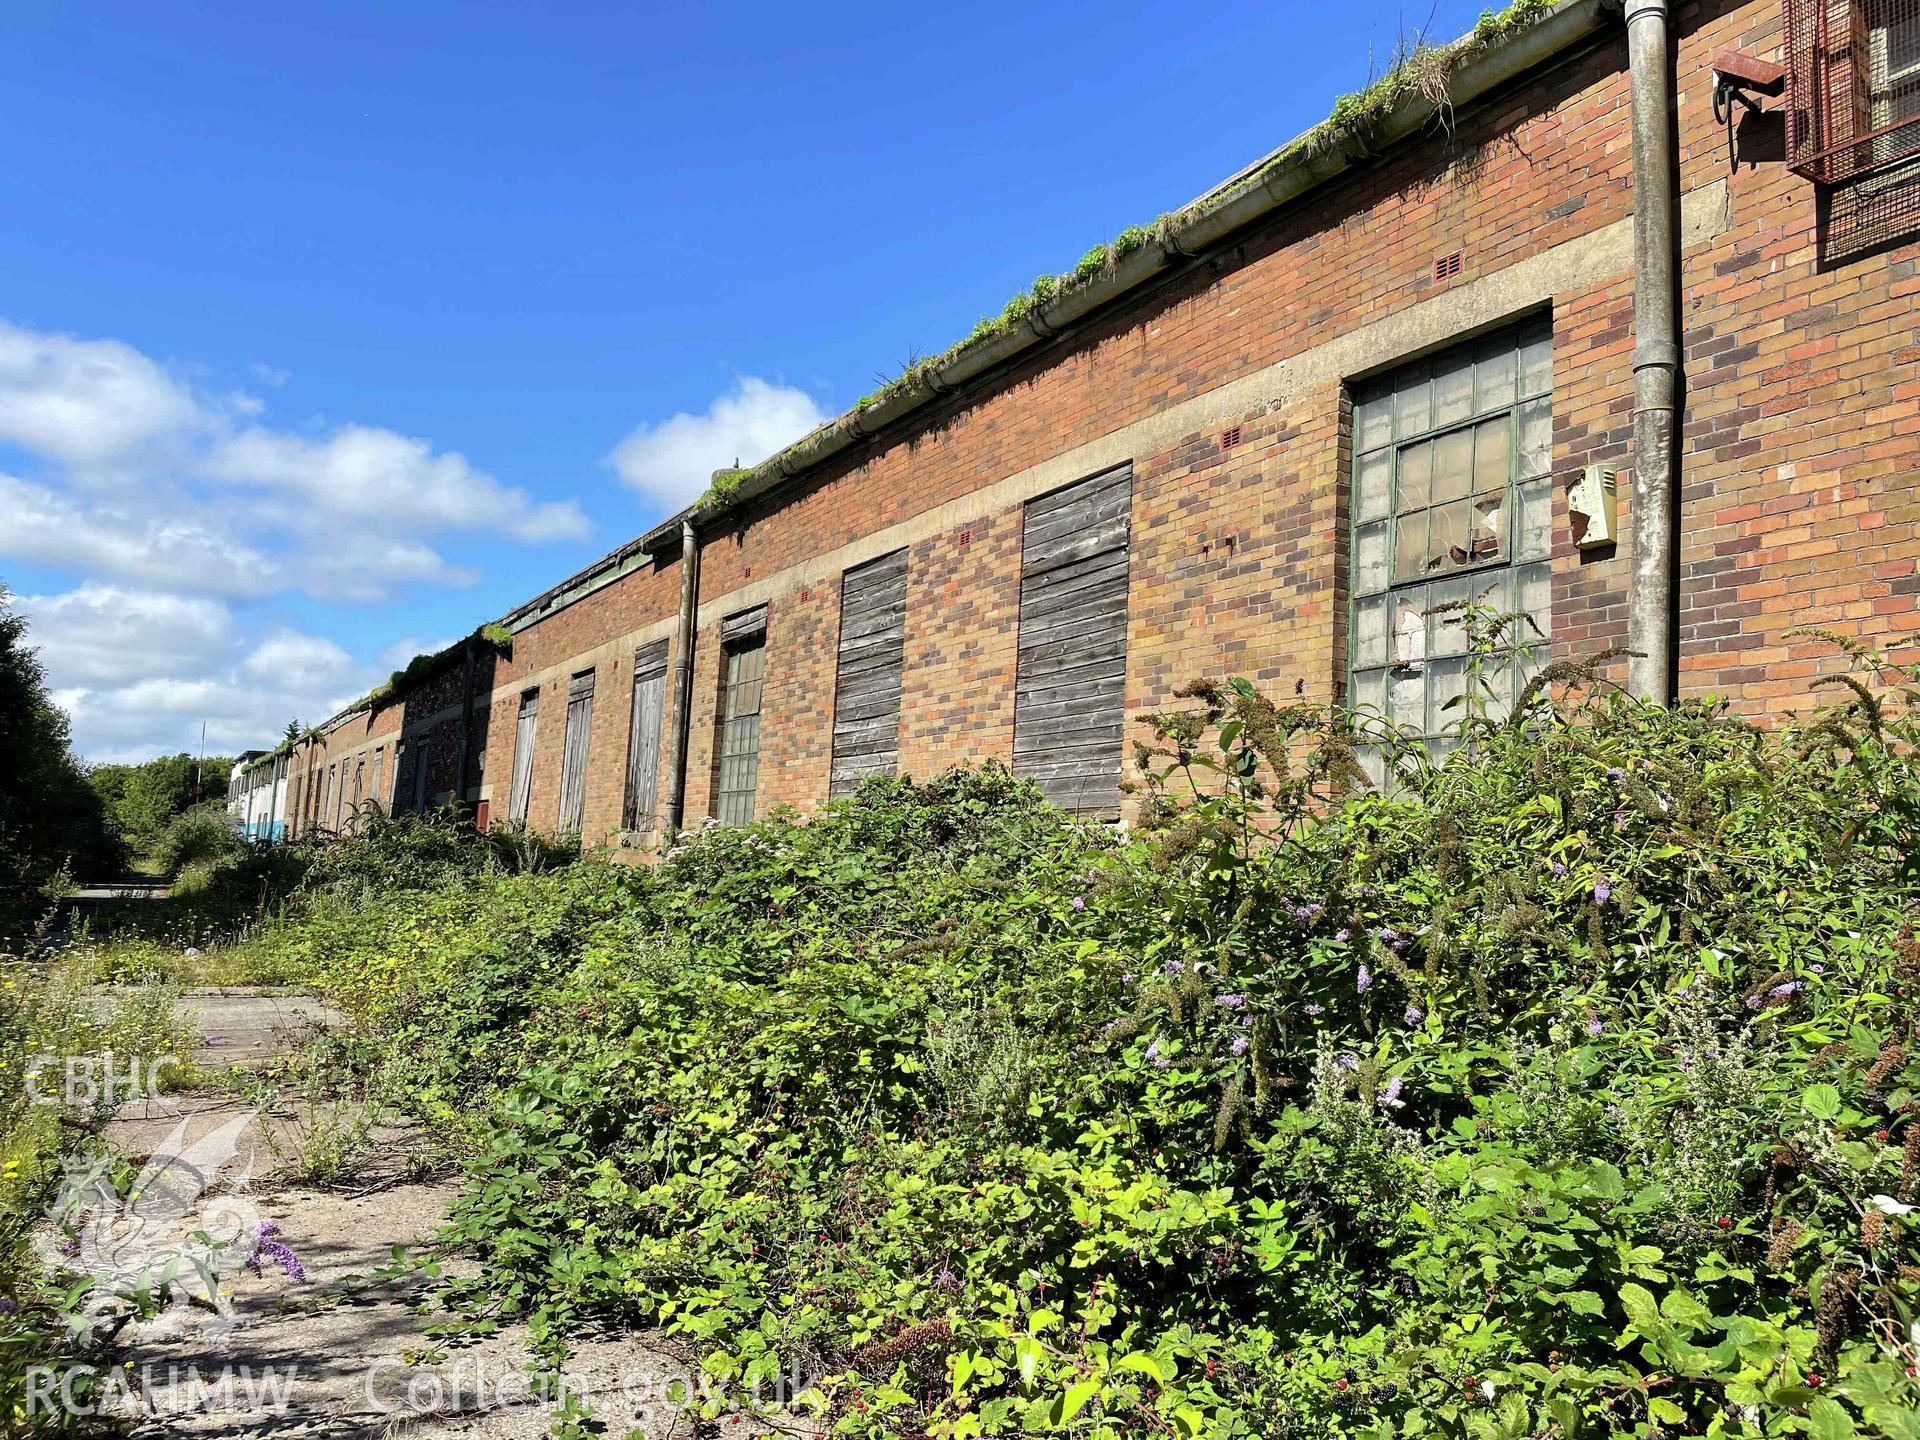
(51, 820)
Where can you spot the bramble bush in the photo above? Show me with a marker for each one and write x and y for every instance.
(1565, 1088)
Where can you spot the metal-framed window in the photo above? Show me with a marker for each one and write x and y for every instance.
(643, 736)
(744, 658)
(526, 728)
(1452, 502)
(1854, 84)
(573, 759)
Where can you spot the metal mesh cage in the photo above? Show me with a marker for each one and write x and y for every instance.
(1854, 67)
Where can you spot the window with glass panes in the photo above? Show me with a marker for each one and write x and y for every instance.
(1451, 503)
(745, 660)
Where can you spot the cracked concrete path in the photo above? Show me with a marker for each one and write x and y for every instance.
(343, 1350)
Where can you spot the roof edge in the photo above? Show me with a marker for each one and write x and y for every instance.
(1403, 103)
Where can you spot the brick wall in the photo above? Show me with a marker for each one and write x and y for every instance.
(1801, 446)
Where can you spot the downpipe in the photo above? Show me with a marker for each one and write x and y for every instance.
(683, 675)
(1653, 594)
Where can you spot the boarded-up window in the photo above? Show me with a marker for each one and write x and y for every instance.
(375, 795)
(866, 697)
(422, 753)
(520, 793)
(744, 647)
(573, 762)
(1070, 698)
(643, 744)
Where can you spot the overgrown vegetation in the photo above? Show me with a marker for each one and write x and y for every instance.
(1565, 1091)
(61, 1053)
(144, 801)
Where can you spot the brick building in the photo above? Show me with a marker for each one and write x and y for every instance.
(1387, 366)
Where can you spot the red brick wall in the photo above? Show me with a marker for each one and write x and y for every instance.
(1801, 446)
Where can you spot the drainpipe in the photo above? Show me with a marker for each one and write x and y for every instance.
(683, 674)
(466, 724)
(1653, 596)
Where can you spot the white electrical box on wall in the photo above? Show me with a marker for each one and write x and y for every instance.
(1590, 503)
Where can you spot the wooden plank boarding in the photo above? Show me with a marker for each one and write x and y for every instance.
(1070, 695)
(866, 698)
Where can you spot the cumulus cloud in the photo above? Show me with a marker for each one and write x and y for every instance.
(167, 546)
(105, 635)
(95, 406)
(168, 497)
(376, 474)
(167, 485)
(140, 670)
(674, 460)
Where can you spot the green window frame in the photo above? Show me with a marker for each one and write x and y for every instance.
(744, 648)
(1451, 501)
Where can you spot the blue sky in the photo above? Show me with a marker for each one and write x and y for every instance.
(330, 331)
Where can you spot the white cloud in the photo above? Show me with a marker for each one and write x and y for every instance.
(311, 660)
(92, 405)
(103, 635)
(355, 568)
(376, 474)
(139, 670)
(674, 460)
(165, 546)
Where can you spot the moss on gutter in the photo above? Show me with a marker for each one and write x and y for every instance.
(1423, 72)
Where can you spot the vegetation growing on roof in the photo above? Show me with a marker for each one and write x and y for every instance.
(721, 490)
(1419, 69)
(496, 635)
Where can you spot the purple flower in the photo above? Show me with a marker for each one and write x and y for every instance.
(1389, 1098)
(1363, 982)
(1174, 967)
(1785, 991)
(8, 1305)
(1312, 1008)
(1343, 934)
(1559, 869)
(1126, 977)
(1347, 1061)
(1614, 772)
(1594, 1027)
(1309, 911)
(1079, 902)
(1817, 969)
(1387, 935)
(266, 1247)
(1154, 1057)
(1415, 1016)
(1240, 1043)
(1602, 891)
(1232, 1002)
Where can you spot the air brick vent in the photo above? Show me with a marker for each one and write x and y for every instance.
(1447, 266)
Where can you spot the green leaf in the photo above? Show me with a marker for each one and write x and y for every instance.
(1828, 1420)
(1146, 1364)
(1075, 1400)
(1821, 1101)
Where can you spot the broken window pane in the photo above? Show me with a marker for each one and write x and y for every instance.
(1416, 472)
(1534, 442)
(1370, 558)
(1370, 632)
(1536, 521)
